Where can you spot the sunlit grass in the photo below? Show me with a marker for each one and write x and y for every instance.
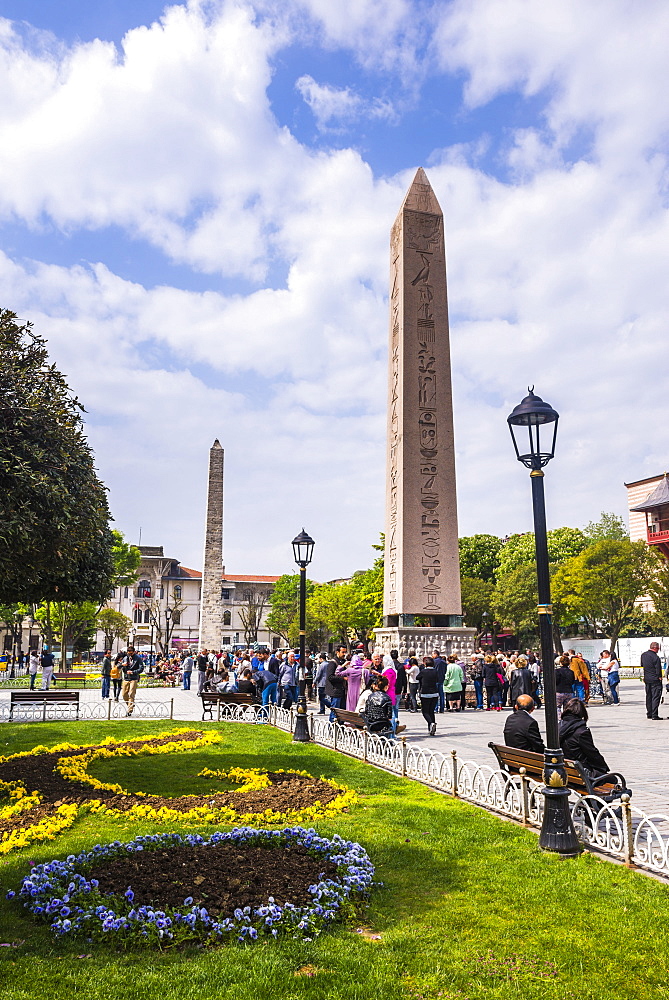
(469, 907)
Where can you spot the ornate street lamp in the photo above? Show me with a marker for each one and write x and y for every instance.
(535, 424)
(168, 621)
(303, 550)
(17, 634)
(31, 625)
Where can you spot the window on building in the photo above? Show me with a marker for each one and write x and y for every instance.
(137, 616)
(7, 643)
(144, 588)
(147, 617)
(177, 593)
(248, 595)
(176, 617)
(227, 618)
(112, 593)
(162, 593)
(125, 591)
(225, 640)
(225, 594)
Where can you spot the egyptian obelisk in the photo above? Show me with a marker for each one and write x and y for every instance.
(421, 605)
(211, 623)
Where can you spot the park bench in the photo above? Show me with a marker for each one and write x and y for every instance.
(607, 786)
(218, 698)
(43, 698)
(70, 675)
(355, 721)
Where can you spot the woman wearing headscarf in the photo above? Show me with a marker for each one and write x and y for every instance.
(356, 678)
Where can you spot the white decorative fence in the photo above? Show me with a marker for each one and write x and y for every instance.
(83, 711)
(617, 829)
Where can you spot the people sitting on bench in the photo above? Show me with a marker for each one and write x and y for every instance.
(245, 685)
(520, 729)
(378, 713)
(576, 739)
(223, 684)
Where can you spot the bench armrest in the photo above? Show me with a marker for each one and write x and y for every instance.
(606, 779)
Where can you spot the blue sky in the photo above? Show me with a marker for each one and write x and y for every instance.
(195, 203)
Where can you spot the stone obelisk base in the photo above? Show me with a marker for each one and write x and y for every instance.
(425, 640)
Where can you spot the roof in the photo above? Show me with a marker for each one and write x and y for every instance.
(193, 573)
(245, 578)
(659, 496)
(640, 482)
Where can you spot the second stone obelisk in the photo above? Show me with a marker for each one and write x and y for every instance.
(422, 567)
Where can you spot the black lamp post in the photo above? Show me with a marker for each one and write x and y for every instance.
(31, 625)
(303, 550)
(168, 633)
(17, 635)
(535, 451)
(486, 624)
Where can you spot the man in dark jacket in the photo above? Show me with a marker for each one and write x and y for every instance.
(652, 678)
(335, 687)
(401, 685)
(441, 666)
(132, 666)
(520, 729)
(106, 673)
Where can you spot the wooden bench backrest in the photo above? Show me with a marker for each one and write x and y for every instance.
(231, 697)
(345, 716)
(75, 675)
(44, 696)
(511, 759)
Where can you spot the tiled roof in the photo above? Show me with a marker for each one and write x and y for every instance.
(658, 497)
(193, 573)
(245, 578)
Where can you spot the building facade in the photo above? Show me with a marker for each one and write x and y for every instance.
(648, 504)
(164, 605)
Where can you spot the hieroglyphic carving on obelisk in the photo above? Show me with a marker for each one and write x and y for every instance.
(422, 568)
(212, 569)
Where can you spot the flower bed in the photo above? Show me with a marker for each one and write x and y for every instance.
(328, 879)
(61, 786)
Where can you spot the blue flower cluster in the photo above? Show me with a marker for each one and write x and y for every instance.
(61, 893)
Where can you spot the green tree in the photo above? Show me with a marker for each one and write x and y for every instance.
(608, 526)
(476, 601)
(114, 624)
(283, 619)
(479, 557)
(55, 541)
(126, 560)
(603, 583)
(73, 623)
(563, 543)
(515, 599)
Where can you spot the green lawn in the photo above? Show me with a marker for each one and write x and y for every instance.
(469, 907)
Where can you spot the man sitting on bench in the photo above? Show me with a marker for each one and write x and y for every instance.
(520, 729)
(378, 713)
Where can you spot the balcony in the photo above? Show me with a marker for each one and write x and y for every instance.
(657, 534)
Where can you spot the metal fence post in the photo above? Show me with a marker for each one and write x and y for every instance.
(311, 724)
(292, 719)
(454, 759)
(334, 735)
(628, 833)
(404, 756)
(108, 709)
(365, 737)
(524, 795)
(172, 708)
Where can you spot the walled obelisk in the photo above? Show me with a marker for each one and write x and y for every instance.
(212, 569)
(421, 605)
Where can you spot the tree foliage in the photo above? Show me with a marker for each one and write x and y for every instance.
(603, 583)
(55, 542)
(72, 624)
(563, 543)
(479, 557)
(114, 624)
(283, 619)
(608, 526)
(126, 558)
(476, 601)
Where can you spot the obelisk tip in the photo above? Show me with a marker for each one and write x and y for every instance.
(420, 197)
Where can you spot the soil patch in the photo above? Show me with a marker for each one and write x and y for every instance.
(286, 792)
(219, 877)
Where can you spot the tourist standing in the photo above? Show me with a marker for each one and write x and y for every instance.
(46, 662)
(412, 670)
(603, 665)
(106, 673)
(652, 678)
(288, 681)
(401, 684)
(187, 671)
(493, 684)
(356, 678)
(335, 686)
(117, 675)
(427, 683)
(132, 666)
(614, 679)
(521, 680)
(319, 681)
(452, 685)
(202, 665)
(476, 676)
(564, 683)
(441, 666)
(33, 667)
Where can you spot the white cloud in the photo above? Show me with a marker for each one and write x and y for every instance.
(556, 272)
(332, 106)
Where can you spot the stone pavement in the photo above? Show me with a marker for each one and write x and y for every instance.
(629, 742)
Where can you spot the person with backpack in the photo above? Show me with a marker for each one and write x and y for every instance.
(132, 666)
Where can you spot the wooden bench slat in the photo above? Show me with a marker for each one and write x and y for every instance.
(511, 759)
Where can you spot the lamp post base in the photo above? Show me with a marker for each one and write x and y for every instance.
(301, 734)
(557, 829)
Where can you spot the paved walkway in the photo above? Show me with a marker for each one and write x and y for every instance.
(629, 742)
